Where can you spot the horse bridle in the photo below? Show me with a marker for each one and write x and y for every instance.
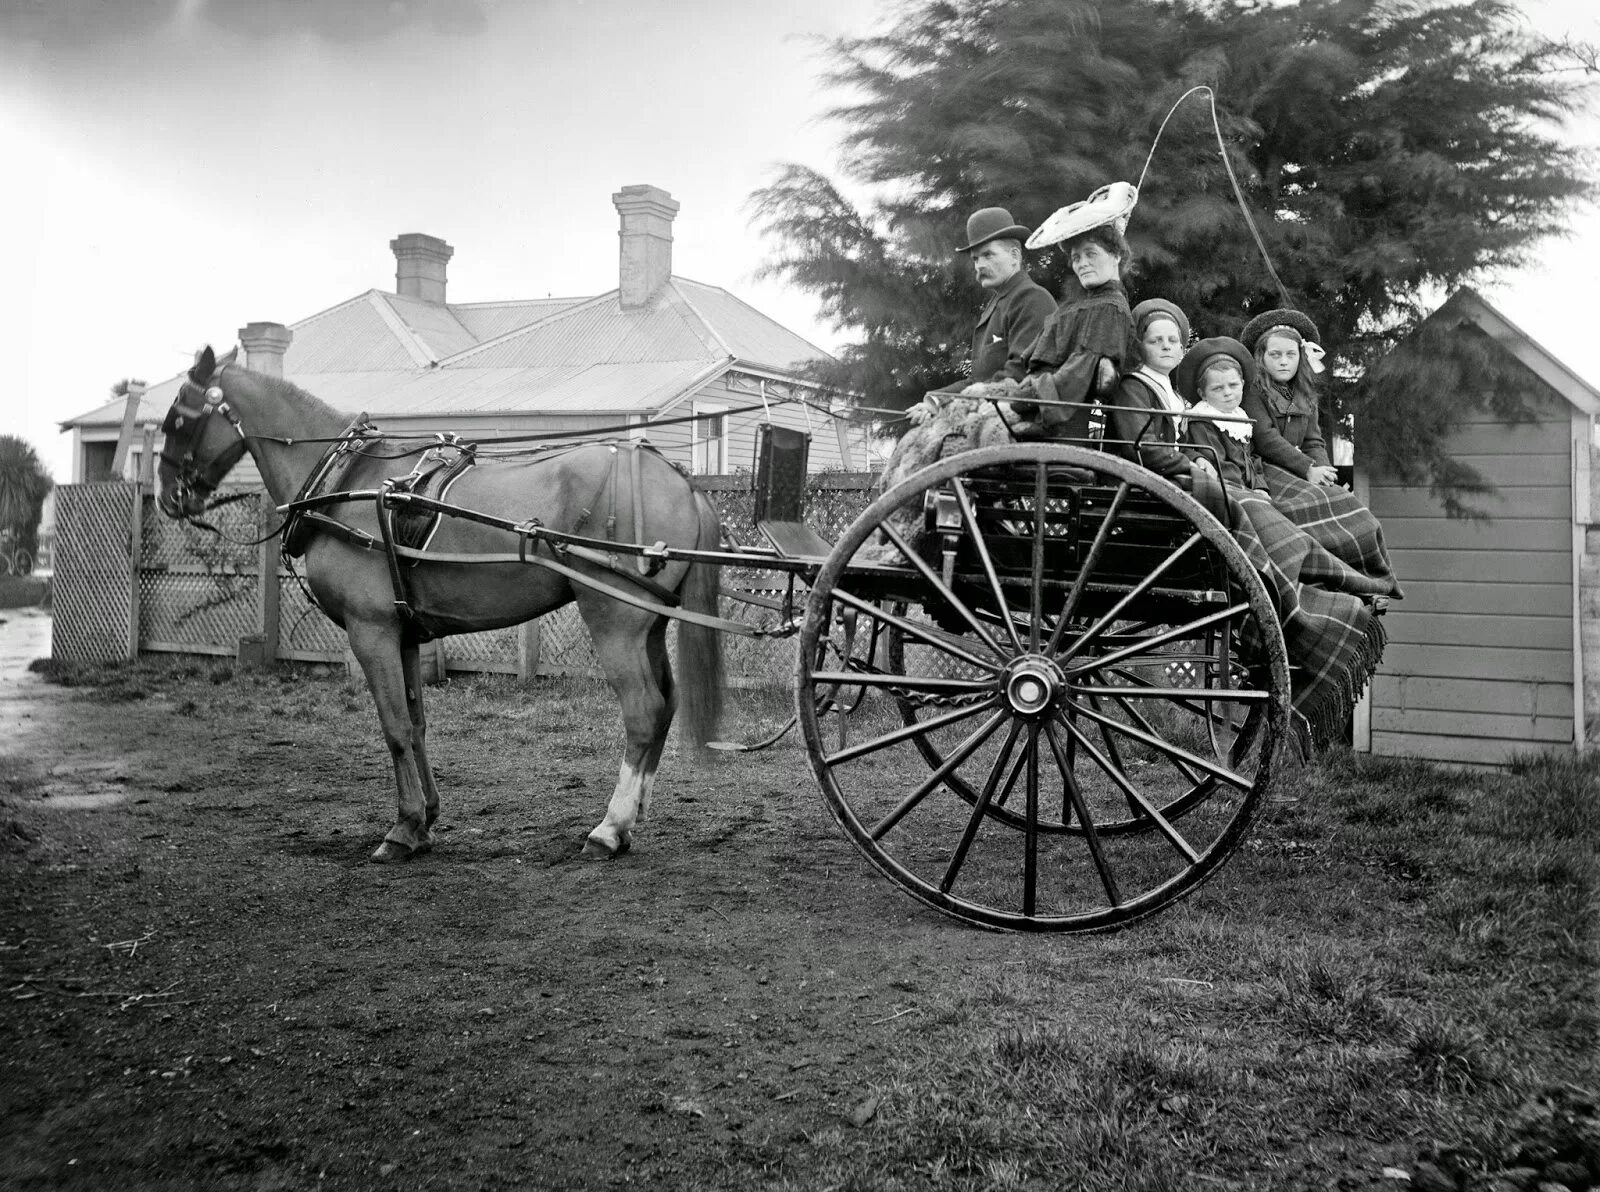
(184, 426)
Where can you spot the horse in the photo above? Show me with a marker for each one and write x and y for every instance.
(388, 604)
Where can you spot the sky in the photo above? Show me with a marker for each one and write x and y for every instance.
(171, 170)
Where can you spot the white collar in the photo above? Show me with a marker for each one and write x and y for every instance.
(1235, 424)
(1162, 386)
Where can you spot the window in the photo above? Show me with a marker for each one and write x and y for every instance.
(708, 440)
(97, 459)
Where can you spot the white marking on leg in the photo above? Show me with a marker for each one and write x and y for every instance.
(622, 812)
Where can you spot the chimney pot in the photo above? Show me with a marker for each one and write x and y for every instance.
(264, 345)
(645, 253)
(419, 266)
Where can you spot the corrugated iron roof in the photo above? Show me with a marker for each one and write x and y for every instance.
(383, 352)
(437, 326)
(490, 320)
(750, 335)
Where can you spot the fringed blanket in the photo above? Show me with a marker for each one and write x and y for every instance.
(1334, 639)
(1338, 522)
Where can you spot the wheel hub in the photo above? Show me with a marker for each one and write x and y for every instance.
(1034, 685)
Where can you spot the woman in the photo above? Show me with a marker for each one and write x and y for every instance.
(1085, 344)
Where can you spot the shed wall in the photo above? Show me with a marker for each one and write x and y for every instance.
(1479, 665)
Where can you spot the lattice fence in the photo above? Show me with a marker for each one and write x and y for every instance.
(200, 593)
(93, 593)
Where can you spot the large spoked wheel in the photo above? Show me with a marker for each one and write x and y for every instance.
(1087, 684)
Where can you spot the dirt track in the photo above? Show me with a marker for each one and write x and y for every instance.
(246, 1003)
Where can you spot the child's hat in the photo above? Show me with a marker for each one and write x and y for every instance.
(1109, 205)
(1150, 307)
(1283, 317)
(1186, 376)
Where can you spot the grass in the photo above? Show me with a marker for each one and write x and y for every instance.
(1398, 964)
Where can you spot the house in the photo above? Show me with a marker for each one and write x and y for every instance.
(657, 347)
(1495, 650)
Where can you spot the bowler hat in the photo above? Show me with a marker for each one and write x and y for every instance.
(1283, 317)
(1167, 310)
(992, 223)
(1186, 376)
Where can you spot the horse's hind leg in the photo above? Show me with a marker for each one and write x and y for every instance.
(377, 648)
(633, 655)
(411, 667)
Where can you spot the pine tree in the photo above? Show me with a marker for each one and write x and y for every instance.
(1387, 153)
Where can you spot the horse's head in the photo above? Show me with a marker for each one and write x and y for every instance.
(198, 450)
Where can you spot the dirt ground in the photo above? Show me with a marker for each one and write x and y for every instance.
(204, 984)
(264, 1009)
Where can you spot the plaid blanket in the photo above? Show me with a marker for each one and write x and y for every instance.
(1334, 640)
(1336, 520)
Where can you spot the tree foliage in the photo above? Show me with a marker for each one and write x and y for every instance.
(24, 484)
(1387, 152)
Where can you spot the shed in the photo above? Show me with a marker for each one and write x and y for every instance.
(1487, 652)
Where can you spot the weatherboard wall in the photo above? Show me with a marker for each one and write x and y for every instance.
(1481, 663)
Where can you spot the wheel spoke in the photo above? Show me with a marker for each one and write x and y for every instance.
(1177, 695)
(1132, 594)
(979, 809)
(1090, 562)
(981, 734)
(1041, 497)
(981, 549)
(939, 586)
(928, 683)
(1112, 751)
(1155, 741)
(1121, 779)
(1139, 718)
(908, 731)
(911, 629)
(1011, 779)
(1091, 837)
(1146, 645)
(1030, 826)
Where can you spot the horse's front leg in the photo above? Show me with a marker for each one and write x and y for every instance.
(377, 648)
(411, 666)
(644, 690)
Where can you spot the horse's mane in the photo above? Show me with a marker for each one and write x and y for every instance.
(301, 401)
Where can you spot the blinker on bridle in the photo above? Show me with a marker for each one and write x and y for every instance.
(184, 425)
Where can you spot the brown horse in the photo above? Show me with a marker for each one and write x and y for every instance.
(222, 413)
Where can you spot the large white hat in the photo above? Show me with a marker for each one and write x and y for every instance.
(1109, 204)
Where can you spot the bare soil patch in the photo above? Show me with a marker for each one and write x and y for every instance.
(205, 985)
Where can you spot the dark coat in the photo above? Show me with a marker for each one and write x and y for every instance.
(1010, 322)
(1156, 437)
(1235, 461)
(1288, 430)
(1087, 327)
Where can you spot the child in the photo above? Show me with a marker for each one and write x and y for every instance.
(1151, 439)
(1282, 399)
(1213, 374)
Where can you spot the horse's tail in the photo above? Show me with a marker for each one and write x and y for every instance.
(700, 678)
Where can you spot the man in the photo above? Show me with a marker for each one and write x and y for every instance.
(1017, 306)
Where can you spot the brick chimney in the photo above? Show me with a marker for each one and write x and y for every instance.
(419, 262)
(646, 242)
(264, 345)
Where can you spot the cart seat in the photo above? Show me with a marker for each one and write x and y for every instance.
(780, 491)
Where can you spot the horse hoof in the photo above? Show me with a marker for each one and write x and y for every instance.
(389, 853)
(596, 849)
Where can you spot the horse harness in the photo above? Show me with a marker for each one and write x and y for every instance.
(410, 508)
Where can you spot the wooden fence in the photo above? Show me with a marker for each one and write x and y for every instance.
(130, 581)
